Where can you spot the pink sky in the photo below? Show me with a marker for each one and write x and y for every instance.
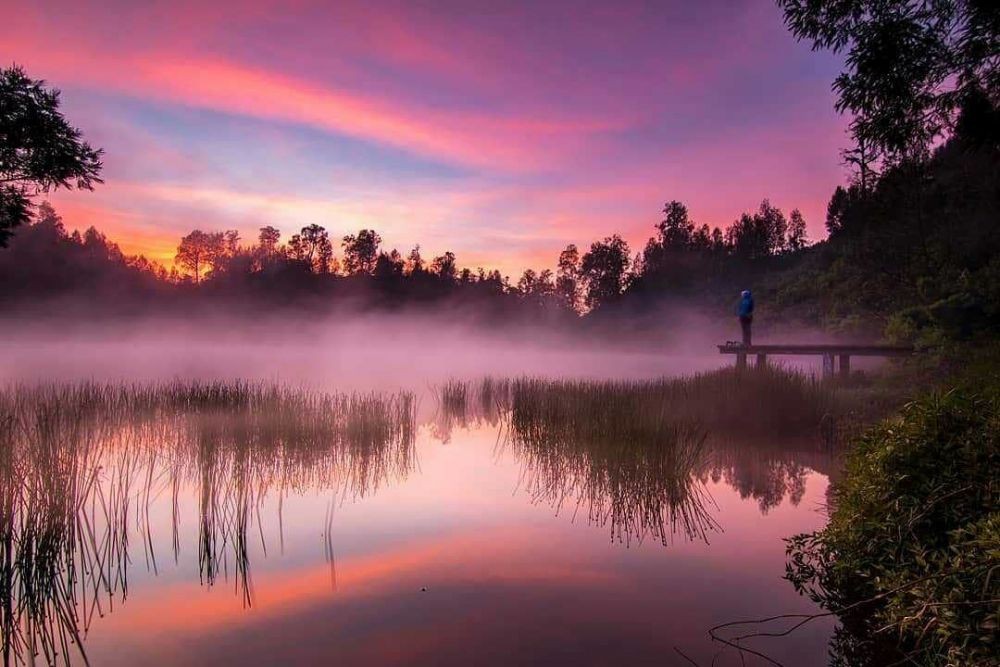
(501, 131)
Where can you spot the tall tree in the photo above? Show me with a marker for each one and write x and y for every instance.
(760, 234)
(361, 252)
(568, 278)
(444, 266)
(389, 265)
(797, 237)
(414, 261)
(267, 251)
(39, 149)
(604, 270)
(268, 240)
(910, 64)
(199, 252)
(676, 228)
(312, 247)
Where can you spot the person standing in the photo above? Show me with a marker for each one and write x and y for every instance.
(745, 312)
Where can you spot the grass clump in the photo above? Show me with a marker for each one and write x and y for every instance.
(909, 558)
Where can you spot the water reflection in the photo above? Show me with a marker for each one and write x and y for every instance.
(628, 467)
(86, 471)
(769, 471)
(80, 464)
(633, 455)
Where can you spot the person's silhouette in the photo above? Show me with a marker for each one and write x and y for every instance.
(745, 312)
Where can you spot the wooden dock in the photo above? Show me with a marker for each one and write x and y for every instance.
(828, 352)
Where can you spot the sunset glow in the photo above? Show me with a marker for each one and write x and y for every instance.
(499, 133)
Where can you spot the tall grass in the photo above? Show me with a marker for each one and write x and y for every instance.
(463, 403)
(79, 464)
(766, 401)
(633, 454)
(624, 461)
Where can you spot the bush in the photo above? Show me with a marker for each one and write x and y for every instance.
(909, 558)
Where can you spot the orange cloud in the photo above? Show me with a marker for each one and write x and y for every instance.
(477, 138)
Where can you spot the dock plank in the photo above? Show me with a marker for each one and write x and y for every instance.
(820, 350)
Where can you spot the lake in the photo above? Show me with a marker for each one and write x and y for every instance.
(472, 522)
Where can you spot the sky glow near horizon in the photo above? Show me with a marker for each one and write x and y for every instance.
(500, 131)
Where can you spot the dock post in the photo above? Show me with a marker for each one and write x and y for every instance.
(761, 360)
(845, 365)
(827, 365)
(741, 360)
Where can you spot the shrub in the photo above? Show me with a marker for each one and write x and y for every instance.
(909, 558)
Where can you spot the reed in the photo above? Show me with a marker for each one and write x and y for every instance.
(76, 461)
(633, 453)
(767, 401)
(623, 460)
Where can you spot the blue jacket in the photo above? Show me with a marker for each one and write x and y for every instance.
(746, 306)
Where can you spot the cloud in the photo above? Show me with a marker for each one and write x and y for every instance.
(500, 134)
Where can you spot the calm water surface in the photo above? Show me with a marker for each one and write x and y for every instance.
(448, 542)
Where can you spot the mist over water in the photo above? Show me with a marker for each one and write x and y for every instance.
(410, 350)
(363, 352)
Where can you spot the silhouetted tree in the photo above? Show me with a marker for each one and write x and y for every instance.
(604, 270)
(267, 252)
(910, 64)
(361, 252)
(268, 240)
(39, 149)
(680, 255)
(312, 247)
(676, 228)
(389, 265)
(759, 235)
(797, 237)
(444, 266)
(568, 278)
(978, 124)
(199, 252)
(861, 159)
(835, 211)
(414, 262)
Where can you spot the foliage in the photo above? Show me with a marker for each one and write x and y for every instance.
(361, 252)
(568, 285)
(910, 64)
(39, 149)
(444, 266)
(604, 270)
(200, 252)
(908, 559)
(312, 248)
(760, 235)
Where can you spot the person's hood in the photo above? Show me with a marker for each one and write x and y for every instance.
(746, 294)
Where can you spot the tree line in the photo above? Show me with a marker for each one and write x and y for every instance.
(222, 261)
(580, 282)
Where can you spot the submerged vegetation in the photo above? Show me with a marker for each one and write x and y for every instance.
(909, 559)
(79, 464)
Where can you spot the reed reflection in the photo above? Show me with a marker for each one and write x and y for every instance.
(613, 454)
(81, 464)
(636, 455)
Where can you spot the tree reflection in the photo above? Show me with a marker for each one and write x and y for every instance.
(769, 470)
(81, 464)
